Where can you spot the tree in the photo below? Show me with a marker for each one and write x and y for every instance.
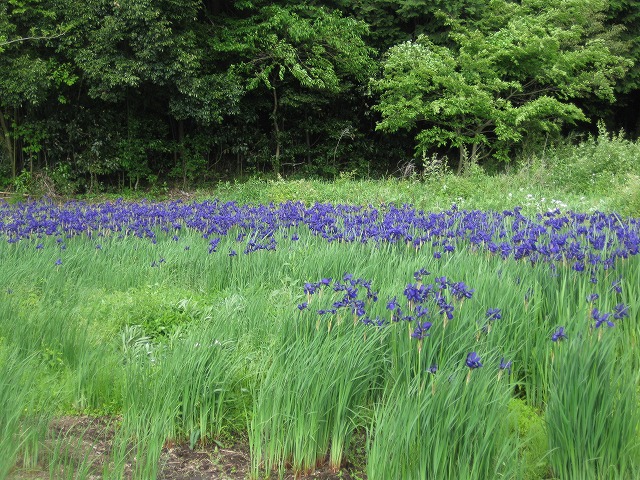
(30, 74)
(150, 60)
(514, 71)
(626, 111)
(297, 53)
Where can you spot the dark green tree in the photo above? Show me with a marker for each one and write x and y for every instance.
(30, 74)
(301, 57)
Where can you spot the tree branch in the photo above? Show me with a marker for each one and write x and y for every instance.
(24, 39)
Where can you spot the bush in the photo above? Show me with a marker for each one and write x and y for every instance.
(596, 164)
(627, 202)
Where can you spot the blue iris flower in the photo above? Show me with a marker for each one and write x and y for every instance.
(473, 361)
(620, 311)
(460, 290)
(558, 335)
(615, 285)
(601, 318)
(505, 365)
(392, 304)
(421, 330)
(421, 273)
(412, 293)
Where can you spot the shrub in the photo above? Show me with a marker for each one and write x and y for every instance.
(595, 165)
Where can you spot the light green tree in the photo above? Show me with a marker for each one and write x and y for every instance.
(515, 71)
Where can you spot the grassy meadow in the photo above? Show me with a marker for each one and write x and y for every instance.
(447, 327)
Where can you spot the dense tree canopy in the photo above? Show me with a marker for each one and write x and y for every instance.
(138, 92)
(515, 71)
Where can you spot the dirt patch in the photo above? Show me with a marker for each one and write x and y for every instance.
(82, 444)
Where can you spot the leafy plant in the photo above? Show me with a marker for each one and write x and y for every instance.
(486, 90)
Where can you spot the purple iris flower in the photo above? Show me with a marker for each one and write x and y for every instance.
(578, 267)
(392, 304)
(473, 361)
(601, 318)
(412, 293)
(380, 322)
(460, 290)
(558, 335)
(505, 365)
(421, 330)
(615, 285)
(421, 273)
(620, 311)
(213, 245)
(447, 310)
(358, 308)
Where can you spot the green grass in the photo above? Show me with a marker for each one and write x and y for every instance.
(203, 347)
(598, 173)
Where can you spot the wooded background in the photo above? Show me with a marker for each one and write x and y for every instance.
(129, 93)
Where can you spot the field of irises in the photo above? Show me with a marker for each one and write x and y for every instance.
(456, 344)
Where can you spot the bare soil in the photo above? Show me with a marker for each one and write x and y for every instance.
(87, 441)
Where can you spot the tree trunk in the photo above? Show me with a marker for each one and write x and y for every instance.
(7, 144)
(307, 136)
(461, 159)
(276, 131)
(474, 153)
(182, 154)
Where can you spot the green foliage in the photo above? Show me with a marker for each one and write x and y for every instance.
(332, 390)
(592, 416)
(628, 197)
(491, 87)
(156, 309)
(184, 391)
(598, 164)
(300, 58)
(532, 187)
(126, 45)
(204, 347)
(533, 437)
(441, 428)
(136, 94)
(310, 44)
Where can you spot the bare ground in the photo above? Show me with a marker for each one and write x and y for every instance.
(87, 441)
